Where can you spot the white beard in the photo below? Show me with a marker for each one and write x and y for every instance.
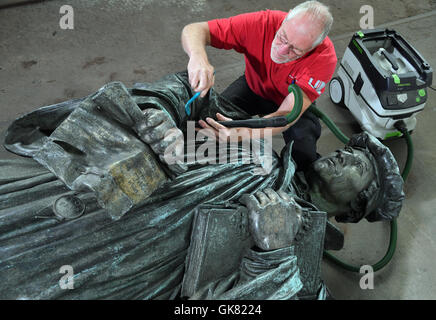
(281, 59)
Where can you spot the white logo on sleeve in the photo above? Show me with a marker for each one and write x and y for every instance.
(318, 86)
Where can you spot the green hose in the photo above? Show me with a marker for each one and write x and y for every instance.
(273, 122)
(298, 102)
(410, 153)
(329, 123)
(394, 229)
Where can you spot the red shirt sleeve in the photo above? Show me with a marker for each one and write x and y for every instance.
(315, 77)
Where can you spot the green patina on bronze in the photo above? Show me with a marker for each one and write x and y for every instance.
(132, 240)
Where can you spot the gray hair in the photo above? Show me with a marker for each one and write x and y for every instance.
(316, 11)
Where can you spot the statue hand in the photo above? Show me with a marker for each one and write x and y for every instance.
(274, 218)
(159, 131)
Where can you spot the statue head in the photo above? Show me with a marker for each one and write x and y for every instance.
(359, 181)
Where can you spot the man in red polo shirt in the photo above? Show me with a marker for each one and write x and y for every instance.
(279, 48)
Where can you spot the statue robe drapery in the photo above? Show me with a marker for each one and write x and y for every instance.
(142, 254)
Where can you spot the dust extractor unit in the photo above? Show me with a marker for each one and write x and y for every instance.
(382, 79)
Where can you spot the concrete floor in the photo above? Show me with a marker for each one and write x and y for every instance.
(139, 41)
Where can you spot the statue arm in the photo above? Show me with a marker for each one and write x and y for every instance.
(153, 126)
(269, 270)
(157, 129)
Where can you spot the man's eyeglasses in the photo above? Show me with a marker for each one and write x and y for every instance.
(282, 39)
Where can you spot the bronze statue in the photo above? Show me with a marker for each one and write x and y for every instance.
(128, 238)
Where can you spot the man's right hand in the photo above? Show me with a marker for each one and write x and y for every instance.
(201, 74)
(195, 38)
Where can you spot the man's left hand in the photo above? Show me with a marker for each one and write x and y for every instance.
(220, 132)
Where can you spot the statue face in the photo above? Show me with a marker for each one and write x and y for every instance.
(342, 174)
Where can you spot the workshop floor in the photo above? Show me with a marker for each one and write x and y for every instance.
(139, 41)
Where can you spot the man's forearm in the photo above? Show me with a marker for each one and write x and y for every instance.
(270, 131)
(195, 38)
(261, 133)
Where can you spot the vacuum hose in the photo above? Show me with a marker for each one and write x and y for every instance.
(273, 122)
(329, 123)
(400, 126)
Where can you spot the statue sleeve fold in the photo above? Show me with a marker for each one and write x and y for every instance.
(268, 275)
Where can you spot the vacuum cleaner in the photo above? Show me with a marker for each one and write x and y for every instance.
(382, 79)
